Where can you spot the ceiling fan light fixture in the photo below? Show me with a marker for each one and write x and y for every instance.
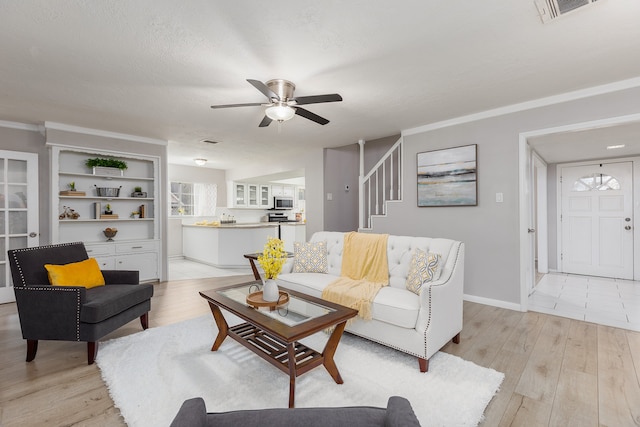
(281, 113)
(200, 161)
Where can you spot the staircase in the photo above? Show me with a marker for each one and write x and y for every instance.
(381, 185)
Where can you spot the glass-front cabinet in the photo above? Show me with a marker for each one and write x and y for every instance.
(240, 194)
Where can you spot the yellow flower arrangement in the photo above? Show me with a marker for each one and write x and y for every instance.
(273, 258)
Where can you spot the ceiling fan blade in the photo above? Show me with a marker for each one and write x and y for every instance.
(311, 116)
(252, 104)
(265, 122)
(317, 99)
(264, 89)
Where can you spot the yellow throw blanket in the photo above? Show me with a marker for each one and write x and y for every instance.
(364, 272)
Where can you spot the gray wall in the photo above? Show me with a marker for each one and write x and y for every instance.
(490, 230)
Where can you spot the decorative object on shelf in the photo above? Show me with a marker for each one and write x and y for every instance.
(137, 192)
(256, 300)
(142, 211)
(72, 186)
(68, 213)
(107, 166)
(448, 177)
(107, 209)
(73, 193)
(110, 233)
(272, 259)
(97, 210)
(135, 214)
(108, 191)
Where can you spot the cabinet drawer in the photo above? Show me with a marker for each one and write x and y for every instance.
(95, 251)
(106, 263)
(136, 247)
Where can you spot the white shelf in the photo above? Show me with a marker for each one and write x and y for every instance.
(107, 177)
(105, 220)
(105, 198)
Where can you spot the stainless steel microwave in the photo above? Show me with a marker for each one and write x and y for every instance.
(280, 202)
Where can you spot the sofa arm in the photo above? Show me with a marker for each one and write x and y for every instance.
(49, 312)
(400, 413)
(121, 277)
(192, 413)
(441, 301)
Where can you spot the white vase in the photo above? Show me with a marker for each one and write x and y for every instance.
(270, 290)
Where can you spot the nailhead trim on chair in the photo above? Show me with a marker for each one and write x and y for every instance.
(49, 288)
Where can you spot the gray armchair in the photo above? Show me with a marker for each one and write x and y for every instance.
(73, 313)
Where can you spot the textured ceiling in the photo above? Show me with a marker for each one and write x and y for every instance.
(153, 67)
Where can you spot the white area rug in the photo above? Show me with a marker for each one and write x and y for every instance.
(150, 374)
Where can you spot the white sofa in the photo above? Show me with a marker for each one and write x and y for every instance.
(419, 325)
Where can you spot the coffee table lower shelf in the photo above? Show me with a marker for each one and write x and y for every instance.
(276, 351)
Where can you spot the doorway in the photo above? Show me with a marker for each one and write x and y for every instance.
(596, 219)
(18, 211)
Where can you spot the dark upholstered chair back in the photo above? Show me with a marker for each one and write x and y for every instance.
(27, 265)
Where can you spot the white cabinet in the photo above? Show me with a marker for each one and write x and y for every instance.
(139, 255)
(282, 190)
(265, 198)
(253, 200)
(134, 235)
(290, 233)
(239, 194)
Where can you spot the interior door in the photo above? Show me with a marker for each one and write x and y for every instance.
(597, 220)
(18, 210)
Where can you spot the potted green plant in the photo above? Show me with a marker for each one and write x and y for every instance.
(135, 214)
(106, 166)
(107, 209)
(72, 186)
(137, 192)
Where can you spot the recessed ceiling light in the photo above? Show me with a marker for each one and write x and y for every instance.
(200, 161)
(613, 147)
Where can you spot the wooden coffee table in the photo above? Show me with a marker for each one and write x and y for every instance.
(273, 335)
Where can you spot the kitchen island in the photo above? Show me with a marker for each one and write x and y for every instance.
(224, 245)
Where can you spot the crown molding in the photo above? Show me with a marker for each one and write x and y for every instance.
(529, 105)
(103, 133)
(21, 126)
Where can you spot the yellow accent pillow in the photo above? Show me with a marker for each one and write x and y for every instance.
(84, 273)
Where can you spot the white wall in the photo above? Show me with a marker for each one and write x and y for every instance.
(490, 230)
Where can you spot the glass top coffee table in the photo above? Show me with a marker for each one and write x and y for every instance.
(274, 334)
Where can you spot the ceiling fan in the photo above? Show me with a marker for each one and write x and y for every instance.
(282, 105)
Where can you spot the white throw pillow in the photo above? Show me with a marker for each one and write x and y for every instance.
(310, 257)
(424, 267)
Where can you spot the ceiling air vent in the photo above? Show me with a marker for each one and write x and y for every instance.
(551, 9)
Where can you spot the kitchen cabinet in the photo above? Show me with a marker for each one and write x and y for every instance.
(265, 196)
(283, 190)
(136, 242)
(252, 196)
(240, 194)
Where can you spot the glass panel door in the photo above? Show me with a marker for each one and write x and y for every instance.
(18, 210)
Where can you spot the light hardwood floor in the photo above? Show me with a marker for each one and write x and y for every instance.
(559, 372)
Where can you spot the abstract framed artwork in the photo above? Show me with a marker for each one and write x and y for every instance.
(448, 177)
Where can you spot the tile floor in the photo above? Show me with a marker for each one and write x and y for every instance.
(593, 299)
(611, 302)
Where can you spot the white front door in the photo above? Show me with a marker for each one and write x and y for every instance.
(597, 220)
(18, 210)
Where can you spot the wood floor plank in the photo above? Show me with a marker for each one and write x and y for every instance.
(548, 364)
(618, 388)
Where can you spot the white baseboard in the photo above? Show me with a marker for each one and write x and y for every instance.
(493, 302)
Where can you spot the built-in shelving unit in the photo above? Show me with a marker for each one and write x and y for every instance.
(136, 244)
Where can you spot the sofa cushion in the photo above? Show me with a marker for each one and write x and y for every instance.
(397, 307)
(106, 301)
(83, 273)
(424, 267)
(308, 283)
(310, 257)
